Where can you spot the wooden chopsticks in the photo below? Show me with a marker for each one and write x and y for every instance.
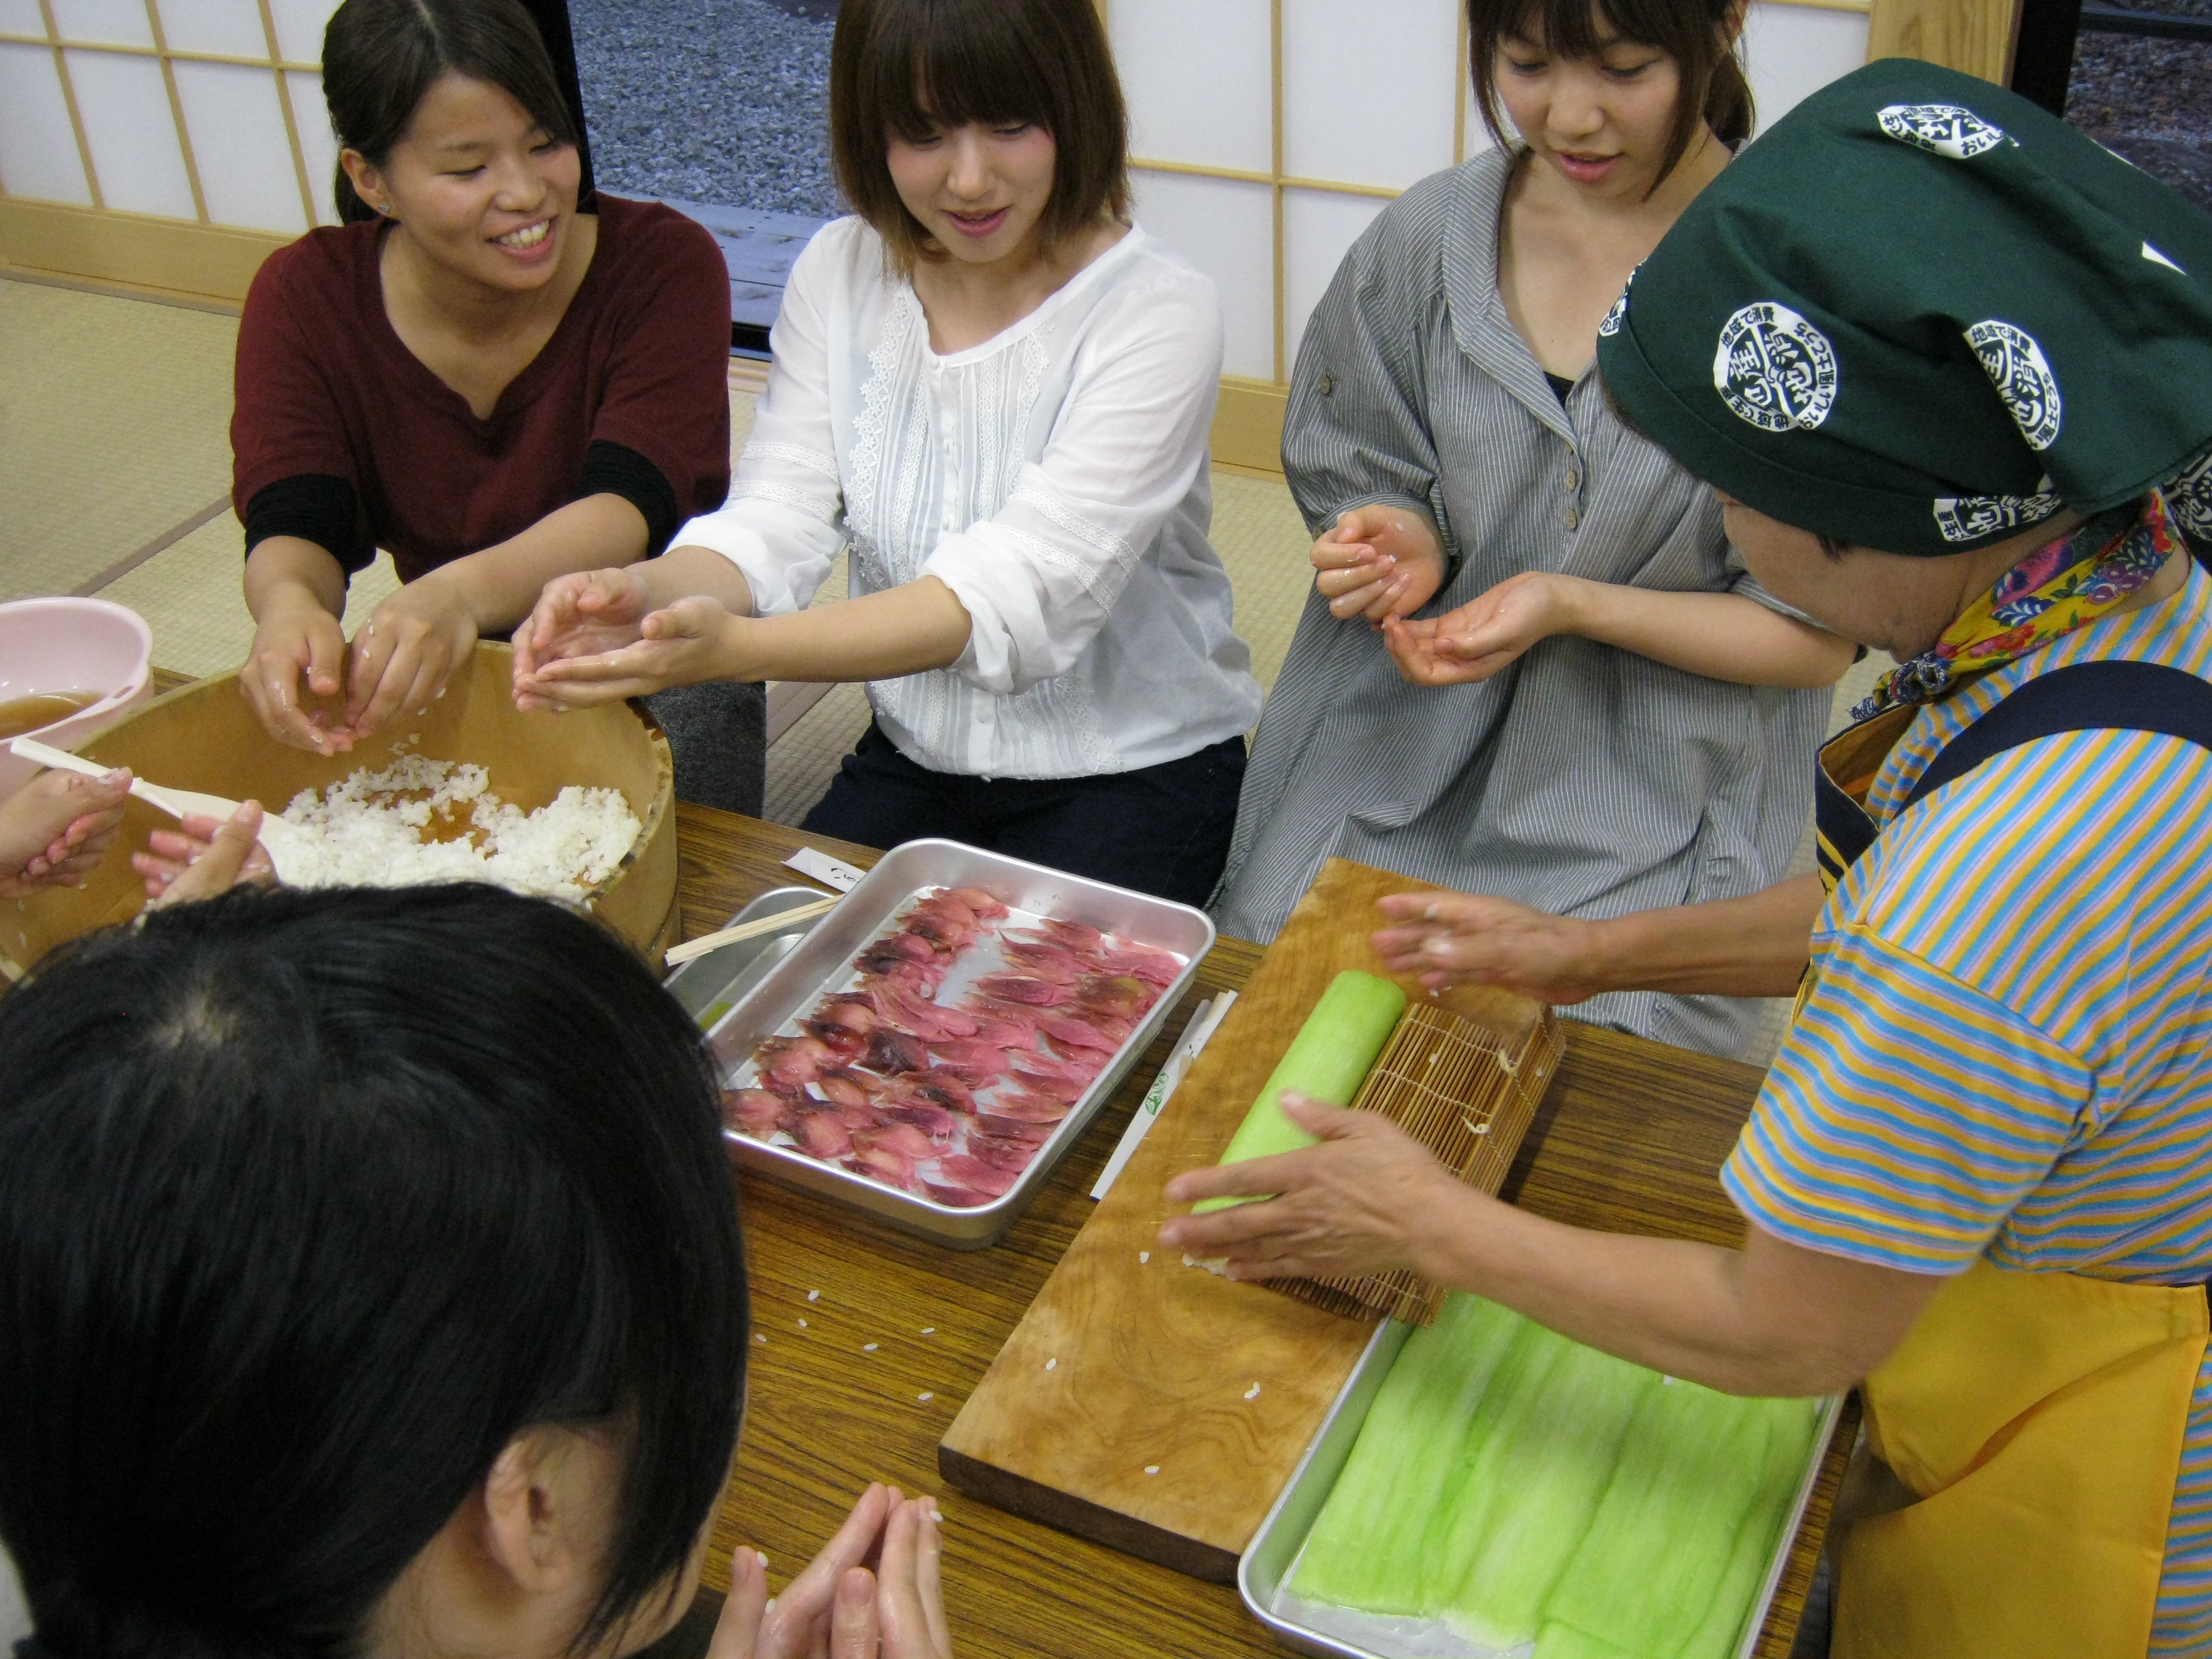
(692, 949)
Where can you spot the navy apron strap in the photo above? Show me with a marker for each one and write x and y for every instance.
(2087, 697)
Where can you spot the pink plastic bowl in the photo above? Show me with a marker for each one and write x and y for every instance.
(71, 645)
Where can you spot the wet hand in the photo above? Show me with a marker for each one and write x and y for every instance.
(1468, 938)
(1378, 562)
(1483, 635)
(54, 830)
(586, 614)
(693, 639)
(406, 651)
(1363, 1201)
(294, 675)
(202, 857)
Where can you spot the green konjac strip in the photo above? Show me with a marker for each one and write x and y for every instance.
(1522, 1487)
(1328, 1059)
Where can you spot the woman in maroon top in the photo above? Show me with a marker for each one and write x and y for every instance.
(497, 383)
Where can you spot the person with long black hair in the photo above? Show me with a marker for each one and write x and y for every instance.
(371, 1282)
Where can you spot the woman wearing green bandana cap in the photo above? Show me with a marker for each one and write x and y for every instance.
(1951, 365)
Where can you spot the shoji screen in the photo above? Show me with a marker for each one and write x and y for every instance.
(1267, 134)
(204, 112)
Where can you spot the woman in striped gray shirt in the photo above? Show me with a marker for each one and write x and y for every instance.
(1576, 698)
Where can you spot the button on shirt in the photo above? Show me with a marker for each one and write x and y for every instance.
(1053, 478)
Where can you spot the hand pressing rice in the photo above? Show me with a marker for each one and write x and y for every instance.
(368, 830)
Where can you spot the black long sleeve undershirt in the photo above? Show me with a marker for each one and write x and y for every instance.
(326, 510)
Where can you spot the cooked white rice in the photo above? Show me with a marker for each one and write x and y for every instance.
(368, 830)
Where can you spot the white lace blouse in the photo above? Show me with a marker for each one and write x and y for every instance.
(1055, 478)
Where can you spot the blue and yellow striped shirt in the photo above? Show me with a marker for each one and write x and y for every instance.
(2008, 1049)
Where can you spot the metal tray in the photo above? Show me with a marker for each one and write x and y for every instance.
(710, 986)
(1272, 1553)
(822, 960)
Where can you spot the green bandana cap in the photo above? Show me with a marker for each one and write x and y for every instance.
(1921, 314)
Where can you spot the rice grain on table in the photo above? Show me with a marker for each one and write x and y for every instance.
(367, 829)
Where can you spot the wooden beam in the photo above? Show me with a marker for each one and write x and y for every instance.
(1248, 425)
(206, 261)
(1975, 36)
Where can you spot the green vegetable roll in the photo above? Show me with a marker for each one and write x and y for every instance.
(1328, 1059)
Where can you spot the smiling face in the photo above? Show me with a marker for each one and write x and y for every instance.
(483, 190)
(978, 189)
(1602, 123)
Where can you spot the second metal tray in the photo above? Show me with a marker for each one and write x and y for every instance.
(822, 960)
(1272, 1553)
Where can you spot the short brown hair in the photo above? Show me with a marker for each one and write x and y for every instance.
(1693, 32)
(907, 67)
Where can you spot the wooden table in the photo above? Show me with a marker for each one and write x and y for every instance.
(1630, 1138)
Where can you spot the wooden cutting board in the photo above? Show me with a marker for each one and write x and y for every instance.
(1155, 1407)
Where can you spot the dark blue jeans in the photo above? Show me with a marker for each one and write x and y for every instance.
(1161, 829)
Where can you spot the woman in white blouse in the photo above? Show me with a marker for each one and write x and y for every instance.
(995, 392)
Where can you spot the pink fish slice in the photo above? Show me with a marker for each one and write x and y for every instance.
(986, 908)
(1080, 1033)
(1052, 963)
(1004, 1029)
(976, 1064)
(884, 1165)
(987, 1127)
(1075, 935)
(1029, 1106)
(958, 1198)
(756, 1112)
(901, 1138)
(934, 1121)
(1020, 987)
(824, 1136)
(1156, 968)
(1011, 1156)
(976, 1176)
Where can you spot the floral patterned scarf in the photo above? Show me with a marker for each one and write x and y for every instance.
(2068, 581)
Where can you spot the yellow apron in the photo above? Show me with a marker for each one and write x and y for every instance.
(2037, 1418)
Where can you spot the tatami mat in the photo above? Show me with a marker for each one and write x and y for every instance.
(190, 595)
(114, 430)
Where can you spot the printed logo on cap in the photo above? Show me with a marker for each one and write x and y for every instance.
(1949, 130)
(2017, 367)
(1971, 518)
(1774, 369)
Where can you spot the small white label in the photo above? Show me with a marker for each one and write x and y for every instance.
(811, 861)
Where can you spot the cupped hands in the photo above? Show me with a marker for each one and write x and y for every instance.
(597, 637)
(1486, 633)
(1378, 562)
(874, 1592)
